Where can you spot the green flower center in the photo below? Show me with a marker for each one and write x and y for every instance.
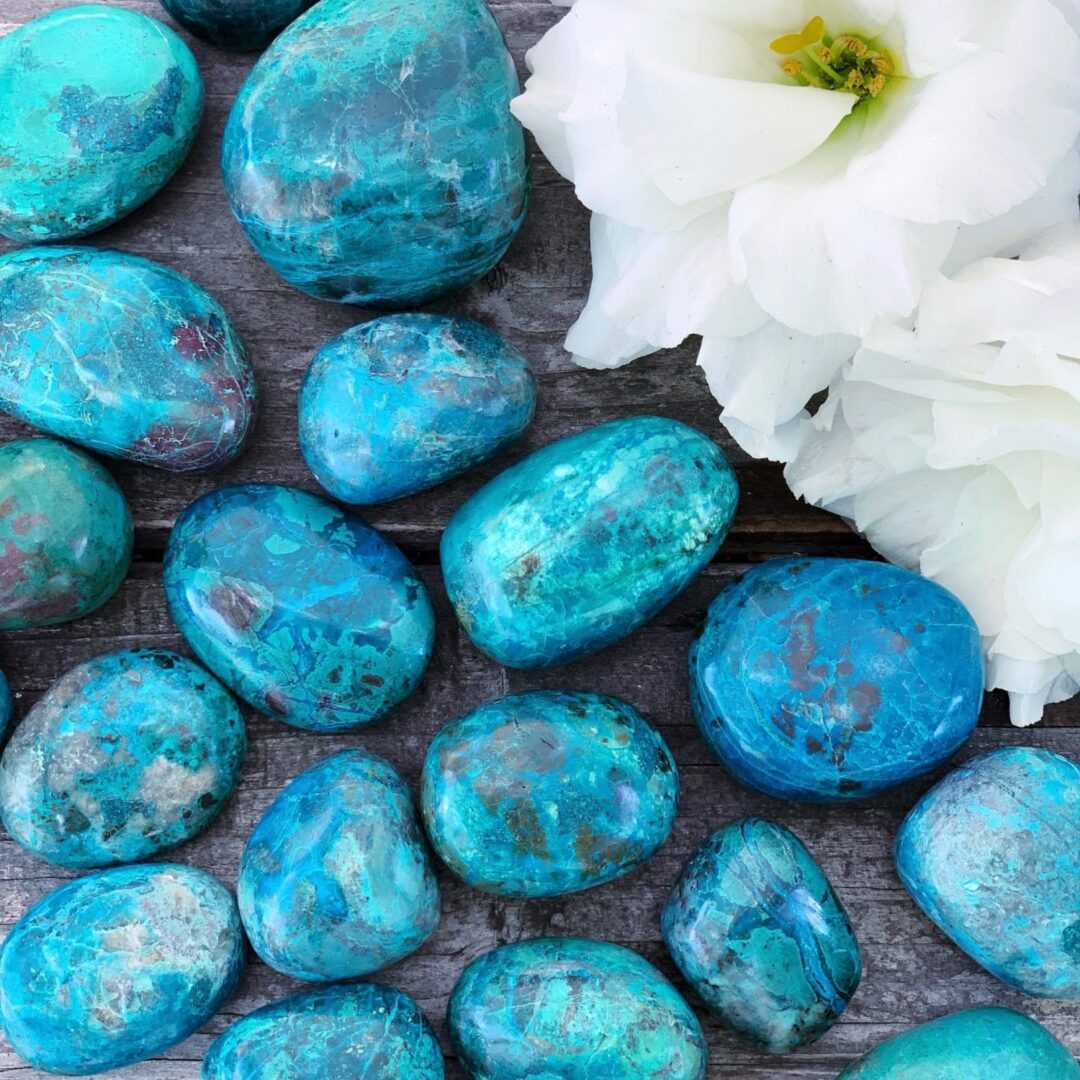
(845, 62)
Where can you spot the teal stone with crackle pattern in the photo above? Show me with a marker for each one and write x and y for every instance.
(100, 106)
(566, 1009)
(118, 966)
(66, 534)
(548, 792)
(242, 25)
(371, 156)
(761, 936)
(586, 539)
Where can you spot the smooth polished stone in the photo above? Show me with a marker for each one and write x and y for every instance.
(757, 930)
(586, 539)
(402, 403)
(335, 881)
(977, 1044)
(100, 106)
(5, 703)
(991, 855)
(123, 356)
(371, 156)
(332, 1033)
(125, 756)
(547, 793)
(831, 679)
(66, 534)
(568, 1008)
(304, 611)
(241, 25)
(118, 966)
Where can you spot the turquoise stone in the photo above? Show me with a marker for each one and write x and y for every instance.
(5, 703)
(335, 881)
(65, 534)
(304, 611)
(547, 793)
(100, 106)
(116, 967)
(242, 25)
(977, 1044)
(371, 156)
(405, 402)
(991, 855)
(757, 930)
(832, 679)
(583, 541)
(125, 756)
(123, 356)
(566, 1009)
(331, 1033)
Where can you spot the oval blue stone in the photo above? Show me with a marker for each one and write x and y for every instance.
(371, 156)
(830, 679)
(586, 539)
(116, 967)
(243, 25)
(304, 611)
(991, 855)
(405, 402)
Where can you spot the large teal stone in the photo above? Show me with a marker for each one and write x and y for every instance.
(371, 155)
(116, 967)
(243, 25)
(547, 793)
(100, 106)
(65, 534)
(583, 541)
(991, 855)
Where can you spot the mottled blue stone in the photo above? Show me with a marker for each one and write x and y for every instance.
(125, 756)
(123, 356)
(583, 541)
(831, 679)
(405, 402)
(242, 25)
(991, 855)
(116, 967)
(371, 156)
(548, 792)
(100, 106)
(567, 1009)
(757, 930)
(335, 881)
(304, 611)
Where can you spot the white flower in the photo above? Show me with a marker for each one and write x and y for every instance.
(955, 448)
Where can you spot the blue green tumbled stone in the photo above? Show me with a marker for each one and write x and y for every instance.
(831, 679)
(583, 541)
(566, 1009)
(405, 402)
(99, 106)
(371, 155)
(991, 855)
(116, 967)
(335, 881)
(125, 756)
(547, 793)
(304, 611)
(5, 703)
(243, 25)
(757, 930)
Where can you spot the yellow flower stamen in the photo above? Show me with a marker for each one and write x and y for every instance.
(812, 32)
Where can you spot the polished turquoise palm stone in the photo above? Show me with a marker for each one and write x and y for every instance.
(243, 25)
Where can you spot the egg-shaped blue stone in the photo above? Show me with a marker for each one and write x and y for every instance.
(831, 679)
(125, 756)
(242, 25)
(100, 106)
(123, 356)
(5, 703)
(304, 611)
(991, 855)
(570, 1008)
(371, 156)
(757, 930)
(405, 402)
(118, 966)
(548, 792)
(586, 539)
(335, 881)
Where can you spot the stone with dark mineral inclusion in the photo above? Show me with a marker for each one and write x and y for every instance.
(242, 25)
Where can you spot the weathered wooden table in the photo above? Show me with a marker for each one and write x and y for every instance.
(912, 973)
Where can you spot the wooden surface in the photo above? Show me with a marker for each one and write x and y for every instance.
(912, 973)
